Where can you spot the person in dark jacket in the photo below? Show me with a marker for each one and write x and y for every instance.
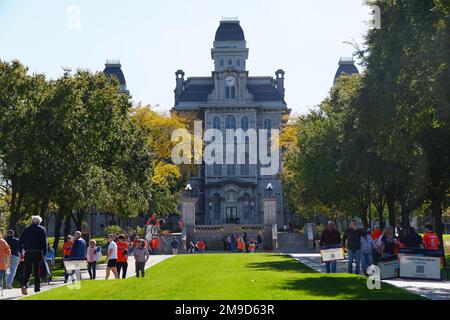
(78, 251)
(330, 236)
(412, 239)
(34, 241)
(14, 244)
(353, 237)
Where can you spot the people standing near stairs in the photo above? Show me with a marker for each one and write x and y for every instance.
(353, 237)
(122, 256)
(141, 257)
(175, 244)
(330, 237)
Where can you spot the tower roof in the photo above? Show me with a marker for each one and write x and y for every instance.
(346, 65)
(113, 68)
(230, 30)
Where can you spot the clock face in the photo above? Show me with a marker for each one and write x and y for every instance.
(230, 81)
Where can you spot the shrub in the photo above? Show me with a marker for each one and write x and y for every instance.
(113, 229)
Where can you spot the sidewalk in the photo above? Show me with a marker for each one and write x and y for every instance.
(101, 274)
(434, 290)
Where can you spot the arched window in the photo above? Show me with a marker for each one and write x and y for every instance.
(245, 167)
(267, 124)
(230, 122)
(244, 123)
(230, 92)
(216, 123)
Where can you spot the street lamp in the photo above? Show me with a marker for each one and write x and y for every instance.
(269, 188)
(210, 205)
(189, 189)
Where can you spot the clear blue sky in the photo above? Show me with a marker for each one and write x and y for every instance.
(154, 38)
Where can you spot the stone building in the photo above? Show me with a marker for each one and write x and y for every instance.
(230, 98)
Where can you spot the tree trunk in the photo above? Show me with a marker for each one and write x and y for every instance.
(67, 225)
(59, 217)
(436, 211)
(390, 201)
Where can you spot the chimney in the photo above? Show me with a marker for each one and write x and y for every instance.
(280, 82)
(180, 84)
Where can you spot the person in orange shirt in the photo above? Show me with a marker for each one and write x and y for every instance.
(201, 246)
(122, 256)
(430, 239)
(5, 260)
(66, 249)
(241, 245)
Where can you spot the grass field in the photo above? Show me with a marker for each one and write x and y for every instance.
(229, 276)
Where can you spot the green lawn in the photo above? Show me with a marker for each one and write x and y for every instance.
(229, 276)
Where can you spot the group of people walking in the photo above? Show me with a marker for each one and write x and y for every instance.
(365, 247)
(238, 244)
(20, 257)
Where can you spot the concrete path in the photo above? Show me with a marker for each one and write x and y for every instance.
(15, 294)
(434, 290)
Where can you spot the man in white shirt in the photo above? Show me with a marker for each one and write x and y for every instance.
(111, 257)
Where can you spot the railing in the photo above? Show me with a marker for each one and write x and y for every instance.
(249, 228)
(208, 229)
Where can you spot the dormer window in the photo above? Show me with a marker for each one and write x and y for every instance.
(230, 62)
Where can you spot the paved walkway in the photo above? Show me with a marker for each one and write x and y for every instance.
(14, 294)
(434, 290)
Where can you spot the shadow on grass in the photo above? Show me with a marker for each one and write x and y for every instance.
(345, 287)
(283, 263)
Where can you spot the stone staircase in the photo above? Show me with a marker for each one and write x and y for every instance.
(293, 243)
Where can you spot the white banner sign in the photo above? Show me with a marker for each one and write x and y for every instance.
(75, 265)
(420, 267)
(332, 254)
(388, 269)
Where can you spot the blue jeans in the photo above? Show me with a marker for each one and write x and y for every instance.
(331, 266)
(13, 269)
(233, 247)
(354, 255)
(366, 260)
(2, 278)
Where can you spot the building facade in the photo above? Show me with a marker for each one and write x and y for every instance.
(232, 99)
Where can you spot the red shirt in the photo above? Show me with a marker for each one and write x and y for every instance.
(121, 256)
(201, 245)
(431, 241)
(376, 234)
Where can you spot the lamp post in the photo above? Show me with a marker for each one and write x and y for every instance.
(269, 188)
(189, 189)
(252, 206)
(210, 205)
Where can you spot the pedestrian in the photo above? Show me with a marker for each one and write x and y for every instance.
(175, 244)
(201, 246)
(50, 260)
(330, 237)
(259, 240)
(412, 239)
(122, 256)
(91, 256)
(34, 242)
(244, 238)
(430, 239)
(252, 247)
(240, 245)
(141, 256)
(353, 237)
(13, 243)
(233, 243)
(5, 261)
(225, 243)
(191, 248)
(367, 246)
(111, 258)
(388, 243)
(66, 249)
(78, 252)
